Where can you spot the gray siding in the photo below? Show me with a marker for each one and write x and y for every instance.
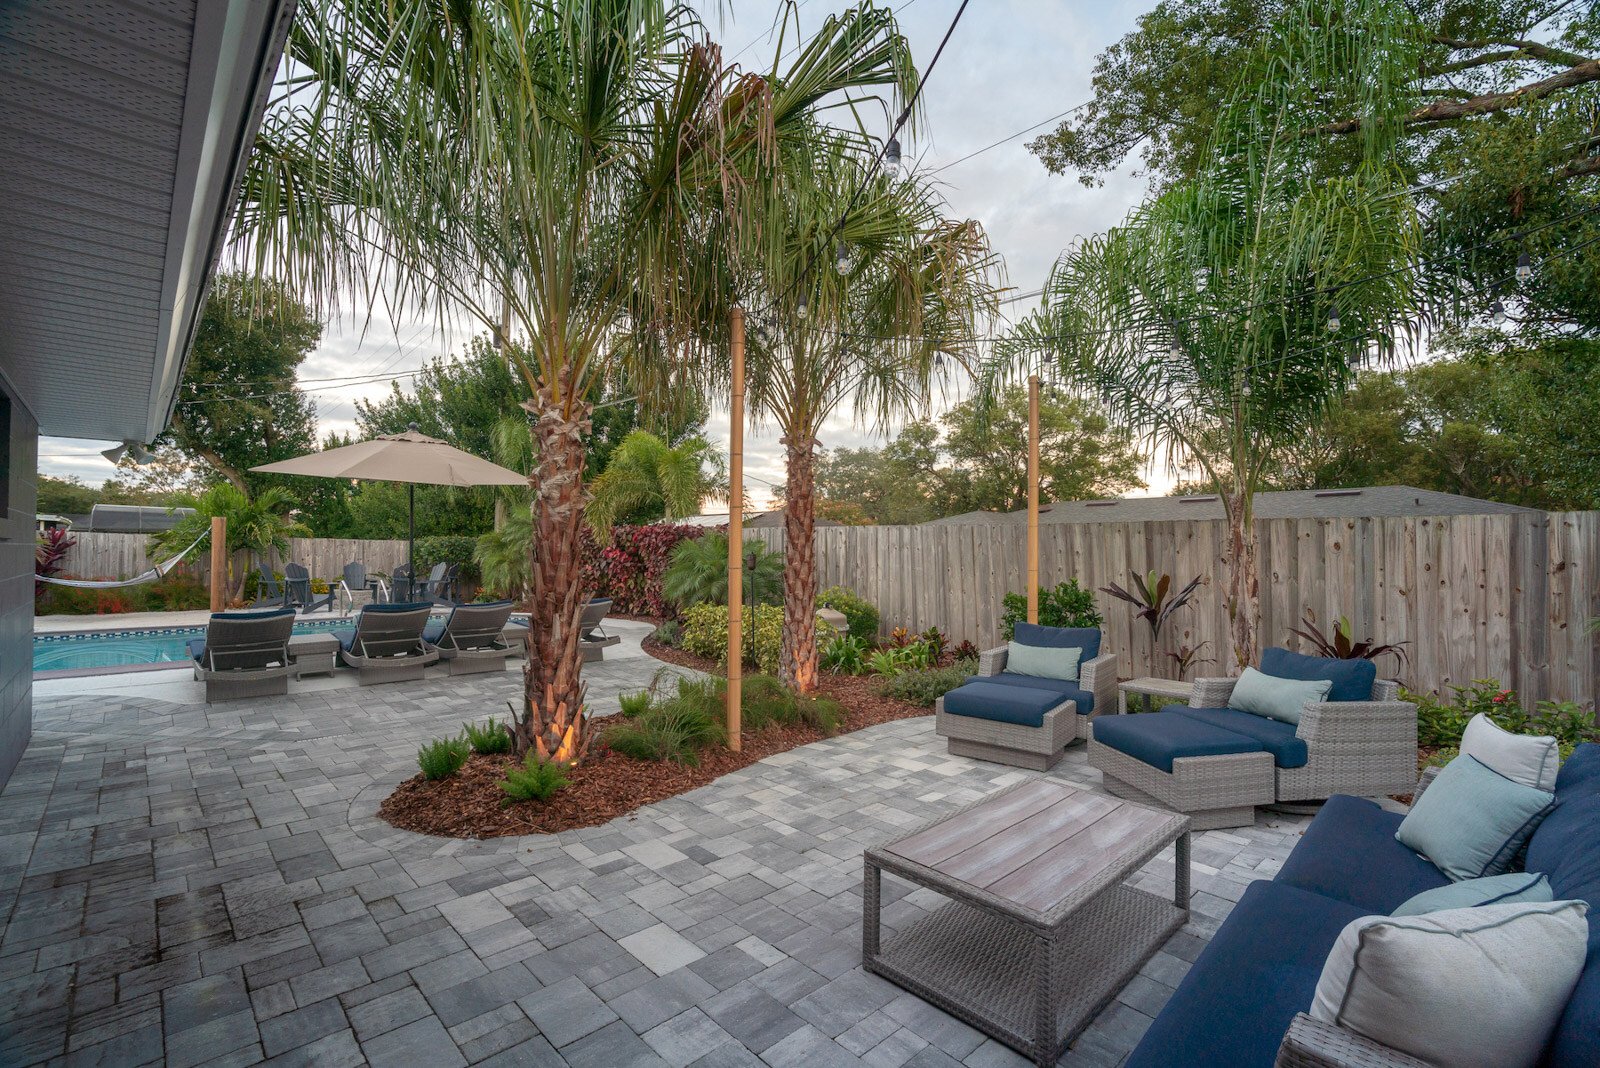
(16, 589)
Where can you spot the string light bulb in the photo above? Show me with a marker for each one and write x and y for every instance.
(1498, 310)
(802, 309)
(891, 157)
(841, 257)
(1333, 320)
(1524, 266)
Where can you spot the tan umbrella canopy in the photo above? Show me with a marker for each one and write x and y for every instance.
(412, 458)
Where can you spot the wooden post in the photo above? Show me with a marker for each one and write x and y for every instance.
(219, 563)
(1033, 498)
(735, 527)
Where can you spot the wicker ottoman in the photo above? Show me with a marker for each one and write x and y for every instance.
(982, 736)
(1216, 790)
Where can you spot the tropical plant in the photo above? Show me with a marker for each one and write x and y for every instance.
(1149, 596)
(488, 739)
(1441, 723)
(443, 757)
(1342, 646)
(861, 616)
(50, 555)
(1068, 605)
(1186, 658)
(1232, 307)
(668, 633)
(259, 525)
(896, 660)
(587, 176)
(845, 655)
(535, 780)
(926, 686)
(870, 288)
(502, 555)
(631, 704)
(698, 573)
(648, 479)
(676, 729)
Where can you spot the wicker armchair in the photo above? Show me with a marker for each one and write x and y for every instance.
(1098, 676)
(1366, 748)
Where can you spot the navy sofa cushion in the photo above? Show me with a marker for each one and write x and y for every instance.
(1003, 704)
(1085, 638)
(1352, 679)
(1232, 1009)
(1279, 738)
(1349, 853)
(1069, 691)
(1568, 843)
(1159, 738)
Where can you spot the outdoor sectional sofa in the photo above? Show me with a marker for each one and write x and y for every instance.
(1025, 720)
(1216, 763)
(1243, 1003)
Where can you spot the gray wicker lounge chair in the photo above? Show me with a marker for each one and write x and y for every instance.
(472, 638)
(592, 638)
(244, 654)
(386, 643)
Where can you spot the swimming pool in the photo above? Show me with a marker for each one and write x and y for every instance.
(145, 647)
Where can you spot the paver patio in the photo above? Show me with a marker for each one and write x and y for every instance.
(211, 885)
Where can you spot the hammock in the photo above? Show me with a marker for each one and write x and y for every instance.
(140, 579)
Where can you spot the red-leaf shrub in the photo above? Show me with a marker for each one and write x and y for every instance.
(629, 569)
(50, 556)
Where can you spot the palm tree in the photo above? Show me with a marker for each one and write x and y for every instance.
(862, 313)
(581, 172)
(648, 478)
(698, 573)
(259, 525)
(1225, 313)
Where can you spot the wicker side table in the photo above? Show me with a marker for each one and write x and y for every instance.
(1040, 930)
(1170, 691)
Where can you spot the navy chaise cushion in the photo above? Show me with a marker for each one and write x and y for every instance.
(1159, 738)
(1085, 638)
(1004, 704)
(1352, 679)
(1349, 854)
(1068, 691)
(1261, 967)
(1278, 737)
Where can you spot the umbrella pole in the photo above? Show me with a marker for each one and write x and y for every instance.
(411, 538)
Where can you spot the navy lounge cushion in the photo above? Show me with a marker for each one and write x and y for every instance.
(1569, 842)
(1003, 704)
(434, 631)
(1352, 679)
(1349, 853)
(346, 636)
(1159, 738)
(1279, 738)
(1069, 691)
(1261, 968)
(197, 648)
(1085, 638)
(403, 606)
(270, 613)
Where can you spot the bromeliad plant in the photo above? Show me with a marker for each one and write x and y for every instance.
(1342, 646)
(1150, 596)
(50, 555)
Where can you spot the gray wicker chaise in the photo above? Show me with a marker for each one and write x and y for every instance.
(386, 643)
(1047, 715)
(472, 638)
(592, 638)
(1216, 763)
(244, 654)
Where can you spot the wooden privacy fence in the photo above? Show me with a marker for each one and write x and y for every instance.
(1480, 596)
(101, 555)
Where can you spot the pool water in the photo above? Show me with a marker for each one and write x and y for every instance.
(132, 648)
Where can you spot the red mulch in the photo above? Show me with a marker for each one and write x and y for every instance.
(607, 785)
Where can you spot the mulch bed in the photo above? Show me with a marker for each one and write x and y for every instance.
(607, 785)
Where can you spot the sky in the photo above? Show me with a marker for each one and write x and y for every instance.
(1009, 65)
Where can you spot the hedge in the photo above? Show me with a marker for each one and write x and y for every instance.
(629, 568)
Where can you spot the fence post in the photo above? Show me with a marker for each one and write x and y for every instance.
(219, 563)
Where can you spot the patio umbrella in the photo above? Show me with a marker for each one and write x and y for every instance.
(412, 458)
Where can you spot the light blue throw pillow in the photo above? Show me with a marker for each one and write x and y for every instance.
(1275, 698)
(1470, 893)
(1043, 663)
(1477, 824)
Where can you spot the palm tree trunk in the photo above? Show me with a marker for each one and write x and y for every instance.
(554, 724)
(799, 666)
(1244, 582)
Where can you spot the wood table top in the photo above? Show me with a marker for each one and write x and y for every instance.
(1159, 687)
(1042, 846)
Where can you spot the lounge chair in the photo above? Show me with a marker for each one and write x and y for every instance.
(386, 643)
(472, 638)
(297, 585)
(244, 654)
(270, 594)
(592, 638)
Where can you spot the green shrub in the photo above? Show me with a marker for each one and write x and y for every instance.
(705, 633)
(536, 780)
(926, 686)
(845, 655)
(492, 737)
(634, 703)
(443, 757)
(449, 549)
(889, 662)
(1068, 605)
(675, 729)
(668, 634)
(1441, 723)
(823, 713)
(764, 700)
(859, 613)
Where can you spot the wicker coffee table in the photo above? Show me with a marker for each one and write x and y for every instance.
(1039, 932)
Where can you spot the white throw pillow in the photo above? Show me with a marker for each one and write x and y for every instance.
(1471, 988)
(1530, 759)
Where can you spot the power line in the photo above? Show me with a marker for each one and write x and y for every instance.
(1010, 137)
